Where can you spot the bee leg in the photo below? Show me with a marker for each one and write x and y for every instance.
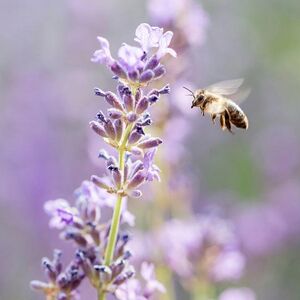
(202, 110)
(227, 121)
(222, 121)
(213, 118)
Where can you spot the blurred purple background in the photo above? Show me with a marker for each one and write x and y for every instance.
(47, 149)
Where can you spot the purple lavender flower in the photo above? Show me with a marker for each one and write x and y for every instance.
(102, 255)
(137, 66)
(62, 284)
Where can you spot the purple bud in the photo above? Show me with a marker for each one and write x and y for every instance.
(117, 177)
(131, 117)
(103, 154)
(152, 63)
(99, 92)
(159, 71)
(113, 100)
(137, 166)
(77, 237)
(129, 102)
(109, 129)
(119, 129)
(134, 137)
(135, 194)
(142, 105)
(98, 128)
(125, 173)
(138, 95)
(152, 99)
(101, 117)
(133, 75)
(146, 122)
(136, 180)
(136, 151)
(57, 260)
(147, 76)
(165, 90)
(85, 264)
(114, 113)
(49, 269)
(118, 70)
(100, 182)
(150, 143)
(123, 277)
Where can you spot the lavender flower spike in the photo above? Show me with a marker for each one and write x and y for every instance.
(138, 66)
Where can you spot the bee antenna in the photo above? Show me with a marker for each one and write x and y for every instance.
(192, 93)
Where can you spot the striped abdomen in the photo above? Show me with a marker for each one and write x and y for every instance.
(237, 116)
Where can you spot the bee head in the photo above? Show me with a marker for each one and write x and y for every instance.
(198, 98)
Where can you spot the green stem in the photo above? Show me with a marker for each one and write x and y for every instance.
(115, 222)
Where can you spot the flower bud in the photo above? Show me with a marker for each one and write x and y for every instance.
(133, 75)
(98, 128)
(152, 63)
(159, 71)
(142, 105)
(118, 124)
(113, 100)
(128, 101)
(109, 129)
(136, 180)
(117, 177)
(118, 70)
(100, 182)
(134, 137)
(152, 99)
(135, 194)
(147, 76)
(149, 143)
(136, 151)
(131, 117)
(99, 92)
(114, 113)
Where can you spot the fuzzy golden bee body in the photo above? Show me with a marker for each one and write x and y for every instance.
(213, 100)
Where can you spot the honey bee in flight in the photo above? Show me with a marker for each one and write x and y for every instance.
(214, 101)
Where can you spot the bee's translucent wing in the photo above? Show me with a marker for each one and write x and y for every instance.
(227, 87)
(240, 96)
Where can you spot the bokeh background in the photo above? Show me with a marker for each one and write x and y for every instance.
(47, 149)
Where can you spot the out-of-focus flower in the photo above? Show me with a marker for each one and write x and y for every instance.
(141, 290)
(204, 245)
(185, 17)
(237, 294)
(61, 213)
(152, 171)
(229, 265)
(279, 213)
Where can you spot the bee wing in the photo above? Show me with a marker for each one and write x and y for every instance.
(227, 87)
(241, 95)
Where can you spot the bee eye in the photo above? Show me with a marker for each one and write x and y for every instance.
(200, 97)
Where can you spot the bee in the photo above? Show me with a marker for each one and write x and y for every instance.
(214, 101)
